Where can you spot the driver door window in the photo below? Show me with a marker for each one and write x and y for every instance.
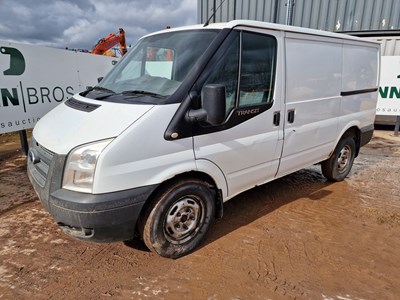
(226, 73)
(257, 72)
(247, 70)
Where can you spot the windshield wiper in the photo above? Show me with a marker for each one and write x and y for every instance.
(100, 88)
(105, 92)
(140, 92)
(108, 92)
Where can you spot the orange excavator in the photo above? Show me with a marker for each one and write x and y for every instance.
(105, 44)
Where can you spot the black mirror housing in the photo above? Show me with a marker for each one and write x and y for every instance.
(214, 103)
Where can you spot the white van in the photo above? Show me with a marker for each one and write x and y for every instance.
(193, 116)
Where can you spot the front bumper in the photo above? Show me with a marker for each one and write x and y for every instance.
(101, 217)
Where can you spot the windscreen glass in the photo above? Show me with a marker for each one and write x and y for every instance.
(158, 64)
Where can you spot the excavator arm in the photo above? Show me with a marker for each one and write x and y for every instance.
(105, 44)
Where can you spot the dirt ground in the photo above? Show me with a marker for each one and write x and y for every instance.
(299, 237)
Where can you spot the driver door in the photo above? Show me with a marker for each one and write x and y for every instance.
(248, 145)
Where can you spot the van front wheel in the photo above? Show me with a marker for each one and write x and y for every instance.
(338, 166)
(179, 218)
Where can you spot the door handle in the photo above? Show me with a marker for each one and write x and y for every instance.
(291, 116)
(277, 118)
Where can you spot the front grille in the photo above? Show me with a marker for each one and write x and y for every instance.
(39, 162)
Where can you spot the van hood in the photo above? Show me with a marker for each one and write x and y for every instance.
(68, 126)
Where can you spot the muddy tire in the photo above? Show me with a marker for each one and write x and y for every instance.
(338, 166)
(178, 218)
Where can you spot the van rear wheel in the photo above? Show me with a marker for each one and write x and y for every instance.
(179, 218)
(338, 166)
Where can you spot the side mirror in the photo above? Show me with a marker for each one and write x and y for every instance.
(213, 110)
(99, 79)
(214, 103)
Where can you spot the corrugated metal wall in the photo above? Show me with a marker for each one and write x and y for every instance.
(347, 15)
(260, 10)
(390, 46)
(332, 15)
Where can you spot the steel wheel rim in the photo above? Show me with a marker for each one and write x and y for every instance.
(343, 160)
(183, 219)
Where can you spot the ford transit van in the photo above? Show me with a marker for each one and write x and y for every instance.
(193, 116)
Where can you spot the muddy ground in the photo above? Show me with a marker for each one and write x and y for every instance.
(299, 237)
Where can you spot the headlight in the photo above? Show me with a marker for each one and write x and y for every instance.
(80, 166)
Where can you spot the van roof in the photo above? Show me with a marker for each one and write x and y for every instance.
(266, 25)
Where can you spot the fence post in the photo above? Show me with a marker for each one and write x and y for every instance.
(396, 127)
(24, 141)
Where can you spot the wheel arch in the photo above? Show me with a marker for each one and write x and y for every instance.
(352, 130)
(218, 196)
(355, 133)
(195, 175)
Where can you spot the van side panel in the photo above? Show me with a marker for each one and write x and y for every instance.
(313, 85)
(360, 77)
(360, 66)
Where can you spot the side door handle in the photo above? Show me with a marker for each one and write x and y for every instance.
(291, 116)
(277, 118)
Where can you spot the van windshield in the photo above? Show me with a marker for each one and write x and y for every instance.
(158, 64)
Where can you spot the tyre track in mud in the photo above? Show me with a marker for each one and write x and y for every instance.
(9, 172)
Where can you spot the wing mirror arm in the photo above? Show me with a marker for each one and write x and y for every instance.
(196, 115)
(213, 110)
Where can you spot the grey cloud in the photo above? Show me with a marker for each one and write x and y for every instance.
(37, 21)
(79, 24)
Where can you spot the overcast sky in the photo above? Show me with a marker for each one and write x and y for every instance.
(81, 23)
